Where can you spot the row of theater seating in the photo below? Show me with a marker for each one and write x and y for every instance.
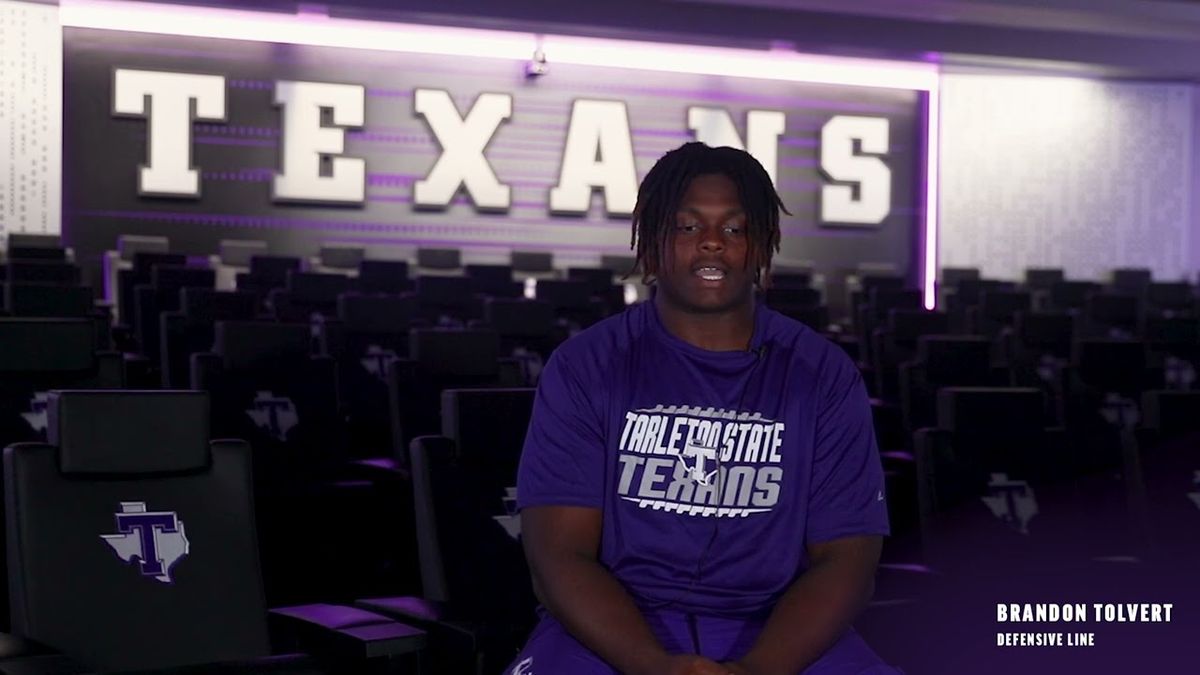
(988, 445)
(382, 371)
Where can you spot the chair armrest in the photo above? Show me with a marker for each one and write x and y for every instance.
(456, 636)
(346, 633)
(19, 656)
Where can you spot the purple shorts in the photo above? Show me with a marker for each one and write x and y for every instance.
(552, 651)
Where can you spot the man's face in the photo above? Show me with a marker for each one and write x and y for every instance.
(704, 269)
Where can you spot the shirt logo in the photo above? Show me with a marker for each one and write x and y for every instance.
(153, 540)
(705, 462)
(524, 667)
(274, 415)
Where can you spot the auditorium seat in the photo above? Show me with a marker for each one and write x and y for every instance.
(1042, 278)
(439, 261)
(872, 309)
(463, 484)
(1115, 315)
(896, 343)
(1168, 459)
(996, 311)
(945, 361)
(793, 301)
(140, 272)
(1041, 341)
(162, 294)
(233, 258)
(524, 326)
(495, 281)
(47, 300)
(384, 276)
(441, 359)
(1068, 295)
(337, 259)
(1101, 393)
(951, 276)
(370, 331)
(127, 471)
(306, 296)
(116, 261)
(36, 271)
(30, 246)
(1176, 298)
(571, 301)
(191, 329)
(267, 272)
(533, 265)
(1131, 280)
(448, 299)
(979, 466)
(267, 389)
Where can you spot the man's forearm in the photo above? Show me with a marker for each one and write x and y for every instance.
(596, 609)
(814, 612)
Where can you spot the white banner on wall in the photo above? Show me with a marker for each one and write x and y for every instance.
(1085, 175)
(30, 119)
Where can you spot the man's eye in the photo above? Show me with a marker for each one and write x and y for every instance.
(687, 227)
(734, 229)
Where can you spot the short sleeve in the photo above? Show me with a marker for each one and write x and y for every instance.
(847, 493)
(562, 462)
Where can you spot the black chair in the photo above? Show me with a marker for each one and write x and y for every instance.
(132, 545)
(44, 354)
(494, 281)
(997, 311)
(384, 276)
(1174, 297)
(896, 343)
(441, 359)
(464, 496)
(443, 299)
(161, 295)
(1132, 280)
(1116, 315)
(535, 262)
(267, 389)
(439, 258)
(141, 273)
(47, 300)
(945, 361)
(371, 330)
(571, 301)
(528, 325)
(1070, 295)
(39, 271)
(307, 295)
(1042, 278)
(1101, 390)
(978, 465)
(190, 330)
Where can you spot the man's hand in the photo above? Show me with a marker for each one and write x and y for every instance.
(690, 664)
(736, 668)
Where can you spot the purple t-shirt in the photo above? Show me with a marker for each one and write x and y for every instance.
(712, 469)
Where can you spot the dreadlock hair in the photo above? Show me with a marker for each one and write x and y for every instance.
(663, 188)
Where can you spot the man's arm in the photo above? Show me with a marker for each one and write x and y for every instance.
(561, 545)
(816, 609)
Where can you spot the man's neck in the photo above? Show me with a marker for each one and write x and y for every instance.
(719, 332)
